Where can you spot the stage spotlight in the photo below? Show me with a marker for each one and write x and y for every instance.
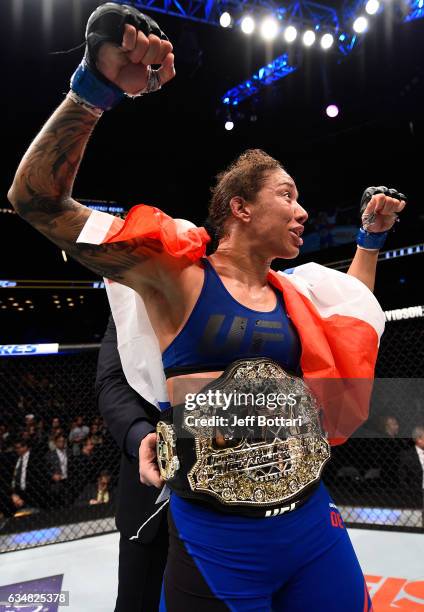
(290, 34)
(269, 28)
(225, 20)
(327, 41)
(372, 7)
(332, 111)
(247, 25)
(308, 38)
(229, 125)
(360, 24)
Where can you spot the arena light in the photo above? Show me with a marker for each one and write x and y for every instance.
(308, 38)
(360, 24)
(225, 20)
(372, 7)
(332, 111)
(247, 24)
(290, 34)
(269, 28)
(229, 125)
(279, 68)
(327, 41)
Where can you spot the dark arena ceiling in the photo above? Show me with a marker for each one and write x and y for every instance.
(166, 148)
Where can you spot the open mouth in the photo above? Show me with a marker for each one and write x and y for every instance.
(296, 236)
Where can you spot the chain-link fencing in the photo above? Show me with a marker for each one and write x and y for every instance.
(376, 477)
(59, 464)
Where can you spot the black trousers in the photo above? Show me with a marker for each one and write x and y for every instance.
(141, 568)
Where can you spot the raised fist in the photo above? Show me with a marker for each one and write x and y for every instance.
(122, 44)
(380, 207)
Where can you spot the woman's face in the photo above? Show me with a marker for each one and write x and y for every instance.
(277, 217)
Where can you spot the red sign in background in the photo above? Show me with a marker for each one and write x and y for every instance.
(389, 594)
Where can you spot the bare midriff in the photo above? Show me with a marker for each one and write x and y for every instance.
(178, 386)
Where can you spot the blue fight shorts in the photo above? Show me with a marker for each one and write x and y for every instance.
(302, 561)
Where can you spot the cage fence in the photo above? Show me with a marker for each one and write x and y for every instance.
(376, 477)
(68, 487)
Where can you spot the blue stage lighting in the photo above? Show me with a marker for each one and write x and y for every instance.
(416, 10)
(278, 69)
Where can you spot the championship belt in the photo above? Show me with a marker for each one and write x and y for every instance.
(250, 441)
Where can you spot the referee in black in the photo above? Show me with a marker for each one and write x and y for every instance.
(142, 523)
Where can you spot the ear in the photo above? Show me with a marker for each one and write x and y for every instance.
(241, 209)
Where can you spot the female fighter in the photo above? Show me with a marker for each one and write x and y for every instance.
(207, 314)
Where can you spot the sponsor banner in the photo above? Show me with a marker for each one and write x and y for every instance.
(21, 350)
(399, 314)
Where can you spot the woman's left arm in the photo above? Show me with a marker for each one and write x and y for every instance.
(364, 266)
(380, 207)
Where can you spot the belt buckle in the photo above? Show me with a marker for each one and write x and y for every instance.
(166, 451)
(264, 473)
(258, 474)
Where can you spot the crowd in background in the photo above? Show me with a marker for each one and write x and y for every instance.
(378, 466)
(49, 464)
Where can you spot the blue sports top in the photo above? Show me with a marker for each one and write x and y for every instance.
(220, 330)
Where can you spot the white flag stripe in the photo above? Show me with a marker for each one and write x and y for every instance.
(336, 293)
(138, 346)
(98, 227)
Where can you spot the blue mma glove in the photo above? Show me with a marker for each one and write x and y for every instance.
(107, 24)
(367, 239)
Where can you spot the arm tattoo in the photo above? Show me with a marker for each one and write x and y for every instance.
(45, 177)
(41, 194)
(113, 260)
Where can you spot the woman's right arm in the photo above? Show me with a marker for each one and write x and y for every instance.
(42, 189)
